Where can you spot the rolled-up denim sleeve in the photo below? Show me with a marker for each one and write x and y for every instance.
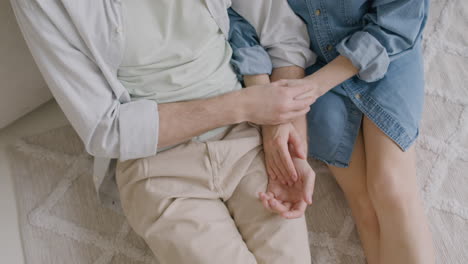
(389, 31)
(281, 32)
(249, 57)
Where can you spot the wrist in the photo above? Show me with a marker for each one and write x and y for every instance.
(332, 74)
(270, 132)
(316, 84)
(239, 111)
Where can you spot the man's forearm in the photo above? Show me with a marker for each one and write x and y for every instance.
(179, 122)
(182, 121)
(262, 104)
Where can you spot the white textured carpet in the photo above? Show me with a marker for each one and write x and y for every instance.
(62, 222)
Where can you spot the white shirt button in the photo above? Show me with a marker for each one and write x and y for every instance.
(118, 30)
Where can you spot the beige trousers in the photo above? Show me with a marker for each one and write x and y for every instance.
(198, 203)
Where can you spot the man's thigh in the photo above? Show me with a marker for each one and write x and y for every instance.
(269, 237)
(197, 231)
(179, 216)
(148, 186)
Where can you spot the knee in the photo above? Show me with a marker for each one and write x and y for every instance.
(363, 209)
(388, 189)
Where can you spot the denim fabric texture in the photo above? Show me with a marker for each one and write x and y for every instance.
(249, 57)
(383, 39)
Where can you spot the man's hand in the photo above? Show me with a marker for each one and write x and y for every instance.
(274, 103)
(278, 141)
(291, 201)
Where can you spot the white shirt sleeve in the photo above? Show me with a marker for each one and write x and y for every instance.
(107, 127)
(282, 33)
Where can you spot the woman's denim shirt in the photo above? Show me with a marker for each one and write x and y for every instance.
(248, 57)
(369, 33)
(382, 38)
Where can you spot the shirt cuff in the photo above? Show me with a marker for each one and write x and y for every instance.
(251, 61)
(139, 129)
(291, 55)
(367, 54)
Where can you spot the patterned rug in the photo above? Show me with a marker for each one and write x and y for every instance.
(61, 220)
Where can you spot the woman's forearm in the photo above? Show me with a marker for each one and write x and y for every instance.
(332, 74)
(251, 80)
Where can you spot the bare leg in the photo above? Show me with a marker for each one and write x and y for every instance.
(391, 177)
(353, 181)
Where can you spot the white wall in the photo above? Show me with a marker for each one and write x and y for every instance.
(22, 88)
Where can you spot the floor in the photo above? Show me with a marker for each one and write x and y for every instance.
(46, 117)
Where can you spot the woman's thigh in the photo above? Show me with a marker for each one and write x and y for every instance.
(352, 179)
(391, 171)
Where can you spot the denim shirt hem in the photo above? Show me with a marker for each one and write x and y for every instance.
(379, 116)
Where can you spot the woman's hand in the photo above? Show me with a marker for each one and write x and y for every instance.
(280, 143)
(291, 201)
(274, 103)
(314, 90)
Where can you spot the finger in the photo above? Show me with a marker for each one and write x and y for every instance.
(309, 100)
(290, 116)
(287, 162)
(280, 168)
(297, 144)
(271, 173)
(279, 83)
(264, 199)
(278, 207)
(270, 195)
(283, 166)
(299, 89)
(287, 205)
(268, 164)
(277, 172)
(309, 185)
(298, 105)
(297, 211)
(295, 82)
(276, 168)
(305, 95)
